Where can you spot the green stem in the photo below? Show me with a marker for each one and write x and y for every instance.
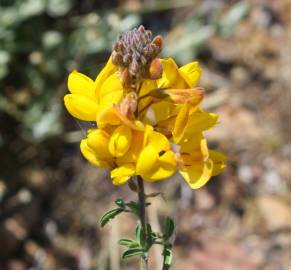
(142, 216)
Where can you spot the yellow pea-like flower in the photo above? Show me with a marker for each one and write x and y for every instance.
(198, 163)
(98, 141)
(120, 141)
(148, 116)
(92, 156)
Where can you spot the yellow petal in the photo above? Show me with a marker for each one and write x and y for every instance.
(191, 73)
(110, 86)
(98, 141)
(200, 121)
(162, 110)
(108, 116)
(122, 174)
(167, 167)
(198, 174)
(218, 162)
(170, 72)
(147, 162)
(135, 148)
(180, 123)
(111, 93)
(120, 141)
(153, 165)
(81, 107)
(147, 86)
(158, 141)
(90, 155)
(80, 84)
(108, 70)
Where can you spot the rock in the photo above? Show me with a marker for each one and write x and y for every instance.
(275, 212)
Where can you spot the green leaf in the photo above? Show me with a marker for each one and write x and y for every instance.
(132, 252)
(133, 206)
(140, 235)
(110, 215)
(149, 229)
(120, 202)
(168, 256)
(149, 237)
(128, 242)
(169, 228)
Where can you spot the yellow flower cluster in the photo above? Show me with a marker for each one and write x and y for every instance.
(153, 132)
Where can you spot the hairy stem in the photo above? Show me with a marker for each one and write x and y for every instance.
(142, 216)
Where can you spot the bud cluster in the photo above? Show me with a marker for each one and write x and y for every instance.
(135, 53)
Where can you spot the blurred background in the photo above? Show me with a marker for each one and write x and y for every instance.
(51, 199)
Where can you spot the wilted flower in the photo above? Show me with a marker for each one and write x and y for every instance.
(147, 113)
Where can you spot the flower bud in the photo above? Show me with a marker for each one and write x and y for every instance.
(156, 69)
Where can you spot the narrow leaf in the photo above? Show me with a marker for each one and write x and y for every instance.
(110, 215)
(149, 229)
(132, 252)
(133, 206)
(126, 242)
(140, 235)
(169, 228)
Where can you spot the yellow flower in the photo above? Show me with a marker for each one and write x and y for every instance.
(89, 98)
(120, 141)
(95, 149)
(149, 156)
(140, 130)
(198, 163)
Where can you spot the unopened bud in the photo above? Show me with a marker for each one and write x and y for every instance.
(136, 52)
(156, 69)
(158, 41)
(117, 58)
(125, 77)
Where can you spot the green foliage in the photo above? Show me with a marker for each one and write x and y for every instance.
(145, 238)
(169, 228)
(168, 256)
(132, 252)
(110, 215)
(120, 202)
(128, 243)
(140, 235)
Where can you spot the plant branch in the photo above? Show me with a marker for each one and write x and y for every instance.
(142, 216)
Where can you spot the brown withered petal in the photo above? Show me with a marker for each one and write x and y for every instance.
(181, 96)
(128, 105)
